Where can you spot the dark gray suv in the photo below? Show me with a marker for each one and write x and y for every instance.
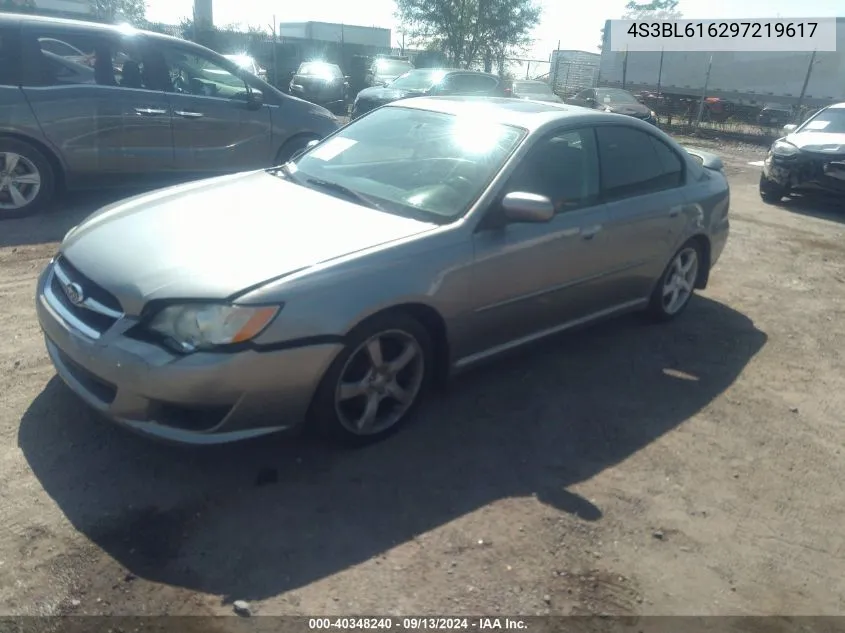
(85, 104)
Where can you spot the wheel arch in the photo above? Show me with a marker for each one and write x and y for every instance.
(292, 140)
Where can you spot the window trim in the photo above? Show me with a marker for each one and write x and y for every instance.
(603, 193)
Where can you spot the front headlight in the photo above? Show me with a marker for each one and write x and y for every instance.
(653, 114)
(200, 326)
(608, 109)
(782, 148)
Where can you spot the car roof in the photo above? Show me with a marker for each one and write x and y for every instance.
(25, 18)
(530, 115)
(838, 105)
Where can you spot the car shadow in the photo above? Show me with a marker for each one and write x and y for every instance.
(52, 224)
(253, 520)
(817, 205)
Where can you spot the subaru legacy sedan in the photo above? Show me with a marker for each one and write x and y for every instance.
(333, 291)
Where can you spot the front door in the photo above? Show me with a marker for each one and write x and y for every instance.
(217, 127)
(531, 278)
(97, 100)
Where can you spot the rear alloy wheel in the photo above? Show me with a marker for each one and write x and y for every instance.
(375, 382)
(771, 192)
(677, 284)
(26, 179)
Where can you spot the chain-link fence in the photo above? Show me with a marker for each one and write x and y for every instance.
(745, 94)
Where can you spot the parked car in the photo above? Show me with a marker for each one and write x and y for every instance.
(415, 242)
(248, 63)
(614, 100)
(534, 90)
(774, 115)
(144, 107)
(321, 83)
(429, 81)
(383, 70)
(809, 157)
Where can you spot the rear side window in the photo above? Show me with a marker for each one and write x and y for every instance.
(58, 57)
(9, 57)
(634, 163)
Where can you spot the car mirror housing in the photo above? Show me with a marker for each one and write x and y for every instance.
(789, 128)
(520, 206)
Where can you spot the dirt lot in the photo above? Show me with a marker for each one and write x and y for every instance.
(640, 469)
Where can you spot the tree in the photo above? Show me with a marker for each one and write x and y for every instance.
(654, 10)
(469, 31)
(114, 11)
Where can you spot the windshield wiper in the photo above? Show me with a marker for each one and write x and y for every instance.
(346, 191)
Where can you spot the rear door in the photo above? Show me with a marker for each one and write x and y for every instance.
(216, 126)
(642, 185)
(104, 112)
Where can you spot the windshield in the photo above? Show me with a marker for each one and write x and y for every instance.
(392, 67)
(418, 79)
(412, 162)
(615, 96)
(830, 121)
(244, 61)
(320, 69)
(532, 87)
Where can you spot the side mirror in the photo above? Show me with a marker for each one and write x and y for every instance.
(527, 207)
(789, 128)
(255, 98)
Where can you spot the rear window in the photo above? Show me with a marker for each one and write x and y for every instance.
(9, 58)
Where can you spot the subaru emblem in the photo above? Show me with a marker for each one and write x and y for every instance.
(74, 293)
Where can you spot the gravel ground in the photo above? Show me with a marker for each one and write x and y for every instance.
(690, 468)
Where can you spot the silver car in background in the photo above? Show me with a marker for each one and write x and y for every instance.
(422, 239)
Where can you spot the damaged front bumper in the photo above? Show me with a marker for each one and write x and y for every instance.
(806, 170)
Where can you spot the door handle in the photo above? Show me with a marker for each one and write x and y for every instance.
(590, 232)
(188, 115)
(149, 111)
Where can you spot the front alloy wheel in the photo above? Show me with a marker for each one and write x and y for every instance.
(375, 382)
(771, 192)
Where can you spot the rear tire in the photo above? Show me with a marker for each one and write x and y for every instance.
(673, 292)
(27, 179)
(393, 379)
(771, 192)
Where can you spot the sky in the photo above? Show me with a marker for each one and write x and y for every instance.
(575, 26)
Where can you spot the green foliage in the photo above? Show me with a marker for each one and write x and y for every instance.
(468, 31)
(118, 11)
(654, 10)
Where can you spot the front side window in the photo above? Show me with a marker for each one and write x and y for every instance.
(635, 163)
(412, 162)
(192, 73)
(469, 84)
(562, 167)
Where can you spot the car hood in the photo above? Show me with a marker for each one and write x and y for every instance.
(628, 108)
(386, 93)
(818, 142)
(213, 239)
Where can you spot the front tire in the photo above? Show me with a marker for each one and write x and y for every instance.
(27, 180)
(371, 389)
(771, 192)
(673, 292)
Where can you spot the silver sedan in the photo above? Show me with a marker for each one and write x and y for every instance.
(422, 239)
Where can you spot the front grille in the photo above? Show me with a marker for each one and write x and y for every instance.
(95, 311)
